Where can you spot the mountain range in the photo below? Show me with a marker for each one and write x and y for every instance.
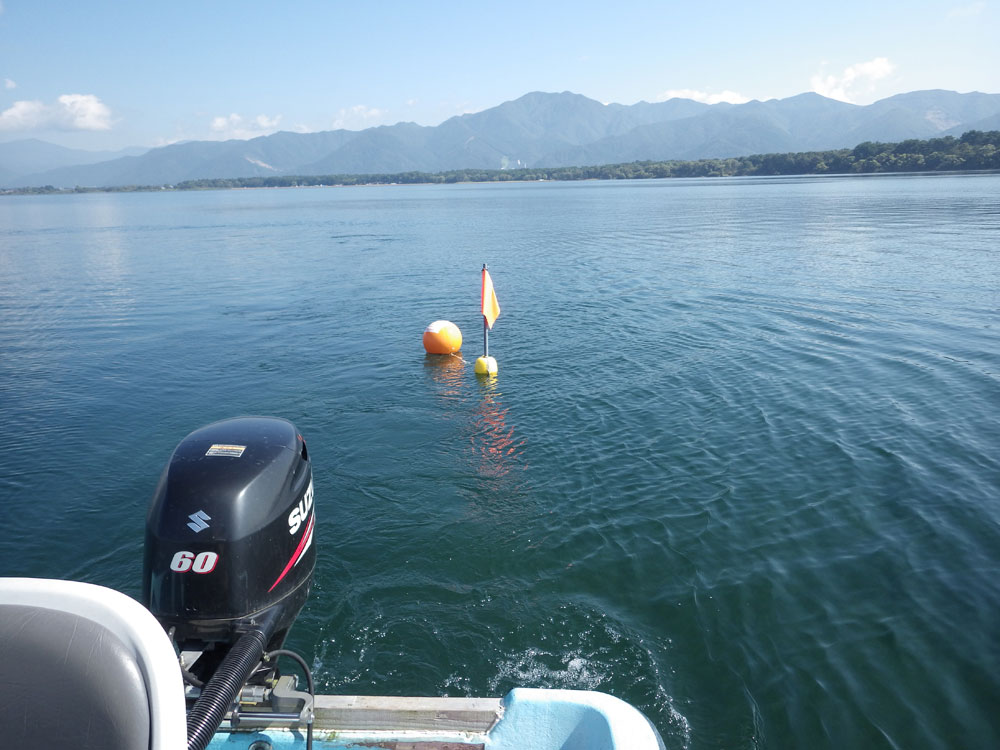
(536, 130)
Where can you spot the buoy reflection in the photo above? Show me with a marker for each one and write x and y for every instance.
(447, 370)
(494, 446)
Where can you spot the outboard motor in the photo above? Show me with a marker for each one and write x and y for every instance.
(229, 559)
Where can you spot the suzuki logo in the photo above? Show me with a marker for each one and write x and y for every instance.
(198, 521)
(300, 513)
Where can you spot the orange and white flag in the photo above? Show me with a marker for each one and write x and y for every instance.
(490, 306)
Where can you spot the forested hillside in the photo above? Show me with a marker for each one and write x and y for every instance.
(974, 150)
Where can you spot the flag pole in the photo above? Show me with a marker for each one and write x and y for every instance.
(490, 308)
(486, 331)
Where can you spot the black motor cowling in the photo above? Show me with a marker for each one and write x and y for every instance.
(229, 534)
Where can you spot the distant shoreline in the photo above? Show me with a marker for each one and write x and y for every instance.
(974, 151)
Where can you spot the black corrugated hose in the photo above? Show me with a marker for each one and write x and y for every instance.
(309, 681)
(208, 711)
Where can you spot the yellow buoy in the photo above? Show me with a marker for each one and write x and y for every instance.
(442, 337)
(486, 366)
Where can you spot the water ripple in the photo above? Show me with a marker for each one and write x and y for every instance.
(739, 467)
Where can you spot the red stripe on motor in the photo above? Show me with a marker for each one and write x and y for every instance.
(298, 551)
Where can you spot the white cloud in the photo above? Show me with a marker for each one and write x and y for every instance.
(732, 97)
(237, 126)
(23, 115)
(358, 117)
(9, 84)
(855, 80)
(84, 112)
(69, 112)
(967, 11)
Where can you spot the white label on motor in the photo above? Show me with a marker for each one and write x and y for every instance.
(203, 562)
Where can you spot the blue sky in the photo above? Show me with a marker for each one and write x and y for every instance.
(102, 74)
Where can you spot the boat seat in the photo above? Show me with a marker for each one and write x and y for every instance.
(86, 667)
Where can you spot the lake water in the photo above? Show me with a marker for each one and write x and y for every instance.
(740, 467)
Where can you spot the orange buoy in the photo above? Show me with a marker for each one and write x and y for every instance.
(442, 337)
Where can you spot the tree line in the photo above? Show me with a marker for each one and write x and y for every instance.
(974, 150)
